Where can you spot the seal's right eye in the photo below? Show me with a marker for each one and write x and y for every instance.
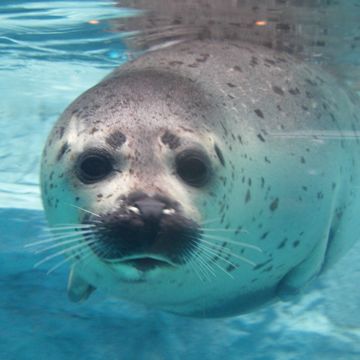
(93, 166)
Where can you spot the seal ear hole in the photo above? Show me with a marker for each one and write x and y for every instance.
(93, 166)
(193, 167)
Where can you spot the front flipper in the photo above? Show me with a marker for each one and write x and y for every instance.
(78, 289)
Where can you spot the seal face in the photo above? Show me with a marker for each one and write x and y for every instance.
(206, 179)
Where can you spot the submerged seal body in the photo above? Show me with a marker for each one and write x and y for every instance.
(206, 179)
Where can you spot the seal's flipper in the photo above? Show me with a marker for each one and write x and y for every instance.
(78, 289)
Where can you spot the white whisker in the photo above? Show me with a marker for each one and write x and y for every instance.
(189, 261)
(62, 243)
(209, 256)
(206, 264)
(80, 208)
(224, 230)
(240, 243)
(227, 252)
(61, 253)
(215, 253)
(56, 238)
(210, 221)
(201, 265)
(75, 227)
(67, 259)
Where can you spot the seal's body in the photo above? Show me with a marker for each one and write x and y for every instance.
(205, 179)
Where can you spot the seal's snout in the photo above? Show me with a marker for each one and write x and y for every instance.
(151, 209)
(146, 227)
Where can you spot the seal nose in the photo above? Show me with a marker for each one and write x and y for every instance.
(150, 209)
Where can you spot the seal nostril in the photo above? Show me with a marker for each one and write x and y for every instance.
(169, 211)
(150, 208)
(134, 210)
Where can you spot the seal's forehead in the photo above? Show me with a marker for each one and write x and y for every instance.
(147, 98)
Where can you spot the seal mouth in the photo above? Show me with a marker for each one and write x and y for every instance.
(145, 263)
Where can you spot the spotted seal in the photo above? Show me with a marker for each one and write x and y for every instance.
(205, 179)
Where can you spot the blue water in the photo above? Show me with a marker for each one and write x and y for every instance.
(50, 52)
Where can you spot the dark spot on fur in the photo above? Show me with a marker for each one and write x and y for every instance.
(274, 205)
(173, 63)
(269, 61)
(264, 235)
(237, 68)
(203, 58)
(259, 113)
(282, 244)
(320, 195)
(231, 85)
(295, 91)
(61, 131)
(311, 82)
(62, 151)
(296, 243)
(259, 266)
(116, 139)
(231, 268)
(170, 140)
(247, 196)
(219, 155)
(278, 90)
(238, 229)
(261, 137)
(254, 61)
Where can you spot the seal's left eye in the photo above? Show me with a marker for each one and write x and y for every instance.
(93, 166)
(193, 167)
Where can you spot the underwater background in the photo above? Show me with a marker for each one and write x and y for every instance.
(50, 52)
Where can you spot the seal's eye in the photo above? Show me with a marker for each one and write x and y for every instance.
(193, 167)
(93, 166)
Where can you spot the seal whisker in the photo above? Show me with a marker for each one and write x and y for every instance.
(200, 264)
(67, 259)
(78, 246)
(206, 265)
(87, 211)
(224, 230)
(68, 227)
(210, 221)
(239, 243)
(189, 260)
(218, 254)
(209, 257)
(57, 238)
(62, 243)
(94, 250)
(227, 252)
